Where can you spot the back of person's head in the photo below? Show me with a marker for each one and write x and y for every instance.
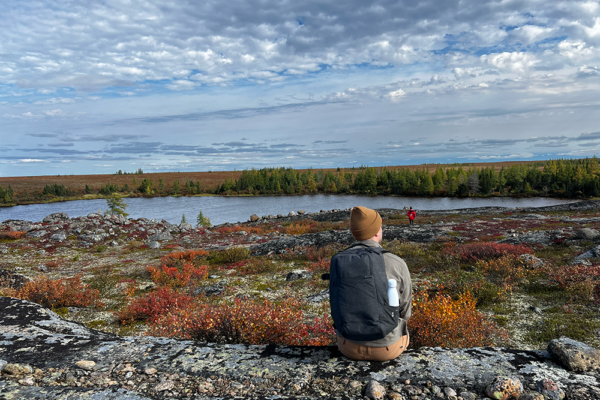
(364, 223)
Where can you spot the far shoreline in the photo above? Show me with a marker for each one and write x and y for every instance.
(103, 197)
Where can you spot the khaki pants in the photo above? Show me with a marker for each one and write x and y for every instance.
(368, 353)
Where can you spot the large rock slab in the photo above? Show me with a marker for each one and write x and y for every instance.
(586, 234)
(535, 237)
(34, 336)
(166, 235)
(56, 217)
(591, 253)
(574, 355)
(12, 279)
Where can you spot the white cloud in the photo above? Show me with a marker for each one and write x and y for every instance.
(56, 100)
(574, 49)
(396, 95)
(54, 113)
(532, 33)
(499, 157)
(297, 72)
(515, 62)
(32, 160)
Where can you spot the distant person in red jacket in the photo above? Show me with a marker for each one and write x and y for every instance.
(411, 216)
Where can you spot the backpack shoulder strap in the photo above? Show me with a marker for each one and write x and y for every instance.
(368, 248)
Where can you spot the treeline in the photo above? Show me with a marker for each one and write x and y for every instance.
(561, 178)
(558, 178)
(6, 195)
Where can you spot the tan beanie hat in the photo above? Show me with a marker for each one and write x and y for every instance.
(364, 223)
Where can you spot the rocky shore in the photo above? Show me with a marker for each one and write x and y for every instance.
(43, 356)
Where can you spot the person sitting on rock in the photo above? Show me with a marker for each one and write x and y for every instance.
(369, 319)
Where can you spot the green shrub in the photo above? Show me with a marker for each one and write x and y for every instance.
(230, 256)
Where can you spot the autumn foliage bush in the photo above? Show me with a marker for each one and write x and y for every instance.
(580, 280)
(440, 321)
(506, 271)
(12, 235)
(52, 264)
(309, 226)
(154, 304)
(486, 251)
(258, 230)
(182, 276)
(230, 255)
(177, 258)
(247, 322)
(56, 293)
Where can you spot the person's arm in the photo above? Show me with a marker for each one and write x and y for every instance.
(396, 269)
(405, 295)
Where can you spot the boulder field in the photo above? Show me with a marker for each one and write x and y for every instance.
(43, 356)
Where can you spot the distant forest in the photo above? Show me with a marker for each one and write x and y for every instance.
(556, 178)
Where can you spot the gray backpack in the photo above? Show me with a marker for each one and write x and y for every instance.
(358, 294)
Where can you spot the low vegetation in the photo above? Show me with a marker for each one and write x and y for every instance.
(467, 292)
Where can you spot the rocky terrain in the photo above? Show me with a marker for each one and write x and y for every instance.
(45, 357)
(87, 353)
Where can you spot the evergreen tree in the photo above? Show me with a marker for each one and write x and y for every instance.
(116, 206)
(146, 187)
(426, 184)
(183, 220)
(176, 188)
(201, 220)
(311, 185)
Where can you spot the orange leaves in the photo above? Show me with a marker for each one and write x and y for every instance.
(178, 277)
(569, 275)
(247, 322)
(506, 271)
(442, 321)
(579, 280)
(12, 235)
(58, 293)
(259, 230)
(188, 255)
(300, 227)
(152, 305)
(486, 251)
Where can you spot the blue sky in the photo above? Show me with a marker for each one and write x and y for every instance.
(94, 87)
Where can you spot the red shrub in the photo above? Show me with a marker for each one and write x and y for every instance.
(188, 255)
(58, 293)
(247, 322)
(52, 264)
(152, 305)
(178, 277)
(318, 267)
(486, 251)
(259, 230)
(13, 235)
(581, 281)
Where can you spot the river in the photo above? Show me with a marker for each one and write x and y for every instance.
(234, 209)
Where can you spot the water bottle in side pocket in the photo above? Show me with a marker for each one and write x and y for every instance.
(394, 301)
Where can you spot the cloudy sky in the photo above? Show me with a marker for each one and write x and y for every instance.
(98, 86)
